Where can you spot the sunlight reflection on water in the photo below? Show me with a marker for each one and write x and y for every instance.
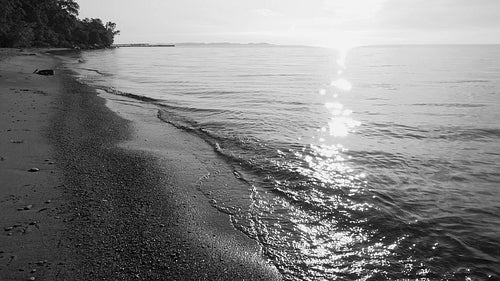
(342, 84)
(341, 123)
(332, 240)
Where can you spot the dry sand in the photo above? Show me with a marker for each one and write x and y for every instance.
(103, 204)
(31, 221)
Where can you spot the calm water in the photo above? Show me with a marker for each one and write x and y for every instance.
(383, 164)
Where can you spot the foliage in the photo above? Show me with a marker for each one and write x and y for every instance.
(44, 23)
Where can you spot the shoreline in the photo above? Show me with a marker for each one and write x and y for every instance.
(130, 211)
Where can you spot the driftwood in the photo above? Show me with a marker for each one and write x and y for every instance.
(44, 71)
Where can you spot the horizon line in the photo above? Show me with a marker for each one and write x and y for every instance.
(311, 46)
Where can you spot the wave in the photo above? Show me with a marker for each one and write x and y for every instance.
(95, 70)
(460, 105)
(270, 75)
(465, 81)
(113, 91)
(468, 134)
(451, 133)
(385, 65)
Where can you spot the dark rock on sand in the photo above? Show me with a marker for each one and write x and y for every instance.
(44, 72)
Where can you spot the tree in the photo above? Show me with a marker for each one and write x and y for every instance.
(69, 6)
(111, 32)
(11, 15)
(25, 23)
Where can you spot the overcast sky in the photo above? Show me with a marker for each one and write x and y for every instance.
(306, 22)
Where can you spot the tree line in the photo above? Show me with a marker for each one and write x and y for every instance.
(51, 23)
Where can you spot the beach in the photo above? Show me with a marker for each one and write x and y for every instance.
(87, 194)
(250, 163)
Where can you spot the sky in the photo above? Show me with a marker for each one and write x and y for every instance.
(331, 23)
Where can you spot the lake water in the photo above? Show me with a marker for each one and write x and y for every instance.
(379, 164)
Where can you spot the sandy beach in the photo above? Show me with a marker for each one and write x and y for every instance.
(87, 194)
(31, 243)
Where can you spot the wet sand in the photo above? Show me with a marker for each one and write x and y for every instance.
(112, 200)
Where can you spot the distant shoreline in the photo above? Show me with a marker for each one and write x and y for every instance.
(269, 45)
(142, 45)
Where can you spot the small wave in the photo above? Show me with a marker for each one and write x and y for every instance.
(178, 82)
(468, 134)
(379, 159)
(393, 130)
(400, 131)
(113, 91)
(95, 70)
(176, 121)
(175, 108)
(384, 65)
(209, 94)
(269, 75)
(462, 105)
(384, 86)
(464, 81)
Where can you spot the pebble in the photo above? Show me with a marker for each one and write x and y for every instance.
(32, 278)
(28, 207)
(41, 262)
(8, 228)
(48, 201)
(33, 170)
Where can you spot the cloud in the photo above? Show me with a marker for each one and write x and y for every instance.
(268, 13)
(324, 22)
(352, 10)
(440, 14)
